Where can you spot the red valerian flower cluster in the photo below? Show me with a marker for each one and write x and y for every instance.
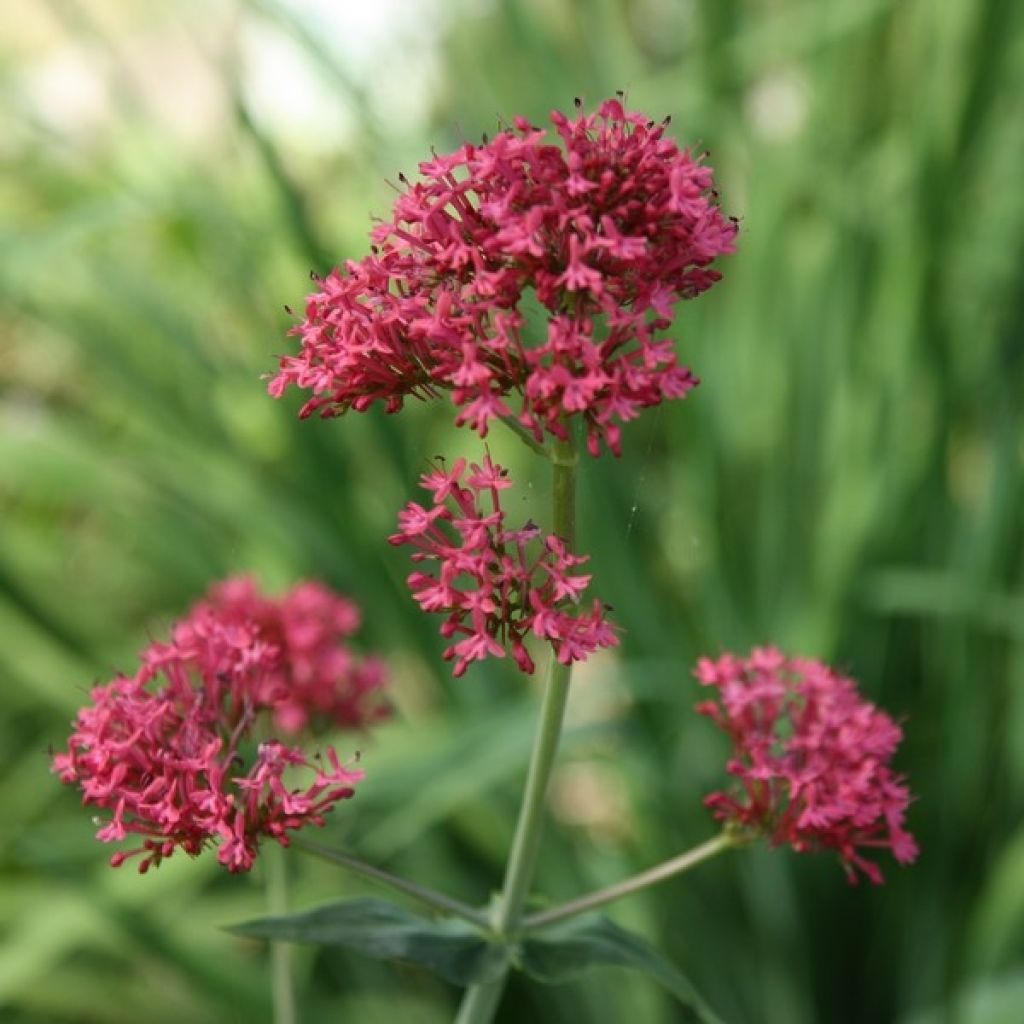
(607, 231)
(170, 750)
(318, 676)
(496, 585)
(811, 756)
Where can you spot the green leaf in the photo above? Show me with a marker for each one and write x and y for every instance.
(448, 947)
(561, 952)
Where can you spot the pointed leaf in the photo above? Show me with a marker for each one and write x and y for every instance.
(561, 952)
(450, 948)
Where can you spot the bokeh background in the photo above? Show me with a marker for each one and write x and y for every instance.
(847, 481)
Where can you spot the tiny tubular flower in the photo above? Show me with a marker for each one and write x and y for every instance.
(169, 751)
(607, 226)
(496, 585)
(319, 678)
(810, 757)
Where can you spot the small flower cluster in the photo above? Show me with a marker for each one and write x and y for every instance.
(170, 750)
(811, 756)
(496, 585)
(318, 676)
(606, 230)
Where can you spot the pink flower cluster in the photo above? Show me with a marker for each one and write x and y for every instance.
(607, 230)
(318, 676)
(811, 756)
(496, 585)
(170, 750)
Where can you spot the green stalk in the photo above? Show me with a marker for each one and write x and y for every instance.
(675, 866)
(281, 982)
(481, 1001)
(429, 897)
(524, 435)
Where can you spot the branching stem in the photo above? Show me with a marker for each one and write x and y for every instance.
(675, 866)
(525, 436)
(425, 895)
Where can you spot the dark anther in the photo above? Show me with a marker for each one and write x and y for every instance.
(288, 309)
(577, 102)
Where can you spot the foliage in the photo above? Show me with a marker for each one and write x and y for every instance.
(862, 371)
(450, 948)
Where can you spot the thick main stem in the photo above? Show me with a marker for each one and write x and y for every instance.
(482, 1000)
(523, 857)
(281, 981)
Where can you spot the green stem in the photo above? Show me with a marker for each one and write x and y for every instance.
(675, 866)
(523, 856)
(525, 436)
(430, 897)
(481, 1001)
(281, 981)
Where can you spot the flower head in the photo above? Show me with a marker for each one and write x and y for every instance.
(317, 675)
(496, 585)
(605, 227)
(170, 750)
(811, 759)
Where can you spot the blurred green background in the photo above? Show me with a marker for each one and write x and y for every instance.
(847, 481)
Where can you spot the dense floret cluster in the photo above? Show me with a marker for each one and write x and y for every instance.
(810, 756)
(496, 585)
(600, 234)
(172, 752)
(318, 677)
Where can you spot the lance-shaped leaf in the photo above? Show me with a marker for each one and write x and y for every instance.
(561, 952)
(448, 947)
